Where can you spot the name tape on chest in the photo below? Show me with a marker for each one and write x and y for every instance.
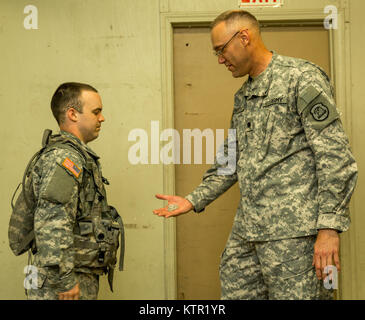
(72, 167)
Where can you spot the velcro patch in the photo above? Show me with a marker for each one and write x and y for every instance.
(70, 166)
(319, 112)
(319, 109)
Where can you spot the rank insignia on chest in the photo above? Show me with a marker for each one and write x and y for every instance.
(70, 166)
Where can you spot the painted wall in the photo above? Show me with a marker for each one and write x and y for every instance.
(358, 142)
(115, 46)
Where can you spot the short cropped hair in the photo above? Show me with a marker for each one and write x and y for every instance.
(67, 96)
(232, 16)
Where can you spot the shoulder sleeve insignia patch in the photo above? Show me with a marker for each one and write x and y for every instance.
(319, 112)
(72, 167)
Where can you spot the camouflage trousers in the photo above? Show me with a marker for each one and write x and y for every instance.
(47, 290)
(280, 270)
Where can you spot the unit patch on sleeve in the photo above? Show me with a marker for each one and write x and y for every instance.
(72, 167)
(319, 112)
(317, 107)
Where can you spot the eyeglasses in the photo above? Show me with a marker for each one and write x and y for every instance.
(220, 52)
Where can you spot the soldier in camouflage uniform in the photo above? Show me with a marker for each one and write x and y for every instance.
(294, 167)
(56, 179)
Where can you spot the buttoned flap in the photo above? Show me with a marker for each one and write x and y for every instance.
(34, 277)
(293, 257)
(41, 278)
(37, 277)
(275, 112)
(274, 125)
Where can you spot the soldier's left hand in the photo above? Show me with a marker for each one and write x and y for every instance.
(73, 294)
(326, 251)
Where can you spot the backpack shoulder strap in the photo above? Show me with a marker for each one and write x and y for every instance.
(65, 143)
(26, 174)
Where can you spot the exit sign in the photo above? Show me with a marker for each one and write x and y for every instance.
(260, 3)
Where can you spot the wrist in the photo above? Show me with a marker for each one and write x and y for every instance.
(191, 206)
(334, 231)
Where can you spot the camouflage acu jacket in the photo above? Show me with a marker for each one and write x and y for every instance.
(56, 176)
(294, 166)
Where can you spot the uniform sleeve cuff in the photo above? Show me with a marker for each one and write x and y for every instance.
(334, 221)
(68, 282)
(195, 202)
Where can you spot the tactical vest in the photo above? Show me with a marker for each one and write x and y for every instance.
(98, 225)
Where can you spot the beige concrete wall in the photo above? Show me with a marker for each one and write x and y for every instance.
(115, 46)
(222, 5)
(357, 260)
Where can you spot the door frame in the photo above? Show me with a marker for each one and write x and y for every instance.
(340, 76)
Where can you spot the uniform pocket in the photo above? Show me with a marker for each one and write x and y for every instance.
(275, 130)
(46, 277)
(298, 266)
(34, 278)
(238, 120)
(266, 133)
(288, 258)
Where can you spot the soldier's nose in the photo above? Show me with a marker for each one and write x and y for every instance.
(221, 59)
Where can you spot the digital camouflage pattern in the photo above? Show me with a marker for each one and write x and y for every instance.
(57, 192)
(48, 285)
(275, 270)
(74, 231)
(296, 175)
(20, 231)
(294, 167)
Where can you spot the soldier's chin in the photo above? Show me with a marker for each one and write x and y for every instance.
(91, 138)
(238, 74)
(235, 74)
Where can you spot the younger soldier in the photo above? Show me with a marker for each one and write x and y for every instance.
(76, 235)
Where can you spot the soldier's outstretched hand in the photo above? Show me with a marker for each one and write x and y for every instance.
(176, 205)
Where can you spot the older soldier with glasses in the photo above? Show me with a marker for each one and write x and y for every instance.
(294, 167)
(220, 51)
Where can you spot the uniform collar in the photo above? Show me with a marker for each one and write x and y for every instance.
(79, 142)
(260, 85)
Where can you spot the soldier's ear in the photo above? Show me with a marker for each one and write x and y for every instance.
(244, 36)
(72, 114)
